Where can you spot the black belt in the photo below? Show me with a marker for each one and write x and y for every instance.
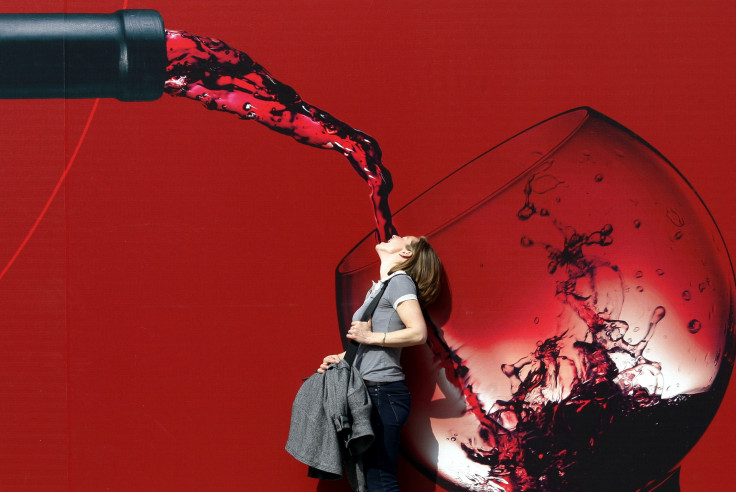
(371, 384)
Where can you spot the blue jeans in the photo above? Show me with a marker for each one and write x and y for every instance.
(391, 405)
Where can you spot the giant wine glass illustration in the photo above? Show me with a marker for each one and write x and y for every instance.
(588, 334)
(580, 333)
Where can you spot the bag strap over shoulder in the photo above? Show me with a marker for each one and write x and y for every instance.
(352, 349)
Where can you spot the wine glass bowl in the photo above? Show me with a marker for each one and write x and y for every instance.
(585, 335)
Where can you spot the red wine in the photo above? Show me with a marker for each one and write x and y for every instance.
(226, 79)
(560, 407)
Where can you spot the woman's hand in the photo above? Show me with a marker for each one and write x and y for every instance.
(361, 332)
(330, 359)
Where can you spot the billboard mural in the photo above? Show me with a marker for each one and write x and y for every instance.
(170, 273)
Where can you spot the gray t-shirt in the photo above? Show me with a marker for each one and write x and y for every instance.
(382, 364)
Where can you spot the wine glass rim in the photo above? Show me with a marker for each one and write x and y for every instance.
(583, 112)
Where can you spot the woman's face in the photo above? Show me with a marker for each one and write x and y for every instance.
(396, 244)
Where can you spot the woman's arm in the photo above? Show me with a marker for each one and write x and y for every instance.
(415, 332)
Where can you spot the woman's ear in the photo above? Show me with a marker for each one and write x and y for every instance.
(406, 254)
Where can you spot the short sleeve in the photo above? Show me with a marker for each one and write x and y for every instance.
(400, 289)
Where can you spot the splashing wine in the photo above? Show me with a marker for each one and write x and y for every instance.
(225, 79)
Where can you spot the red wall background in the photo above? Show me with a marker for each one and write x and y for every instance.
(155, 328)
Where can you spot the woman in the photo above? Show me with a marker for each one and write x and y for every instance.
(414, 270)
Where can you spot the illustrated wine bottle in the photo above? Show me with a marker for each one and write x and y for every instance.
(120, 55)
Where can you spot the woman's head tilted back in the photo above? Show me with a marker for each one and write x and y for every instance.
(425, 268)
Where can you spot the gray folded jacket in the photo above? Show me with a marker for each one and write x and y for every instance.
(331, 424)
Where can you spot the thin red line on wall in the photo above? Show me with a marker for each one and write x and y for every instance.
(54, 192)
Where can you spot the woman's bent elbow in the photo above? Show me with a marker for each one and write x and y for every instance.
(421, 339)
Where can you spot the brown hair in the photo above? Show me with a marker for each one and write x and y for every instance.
(425, 268)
